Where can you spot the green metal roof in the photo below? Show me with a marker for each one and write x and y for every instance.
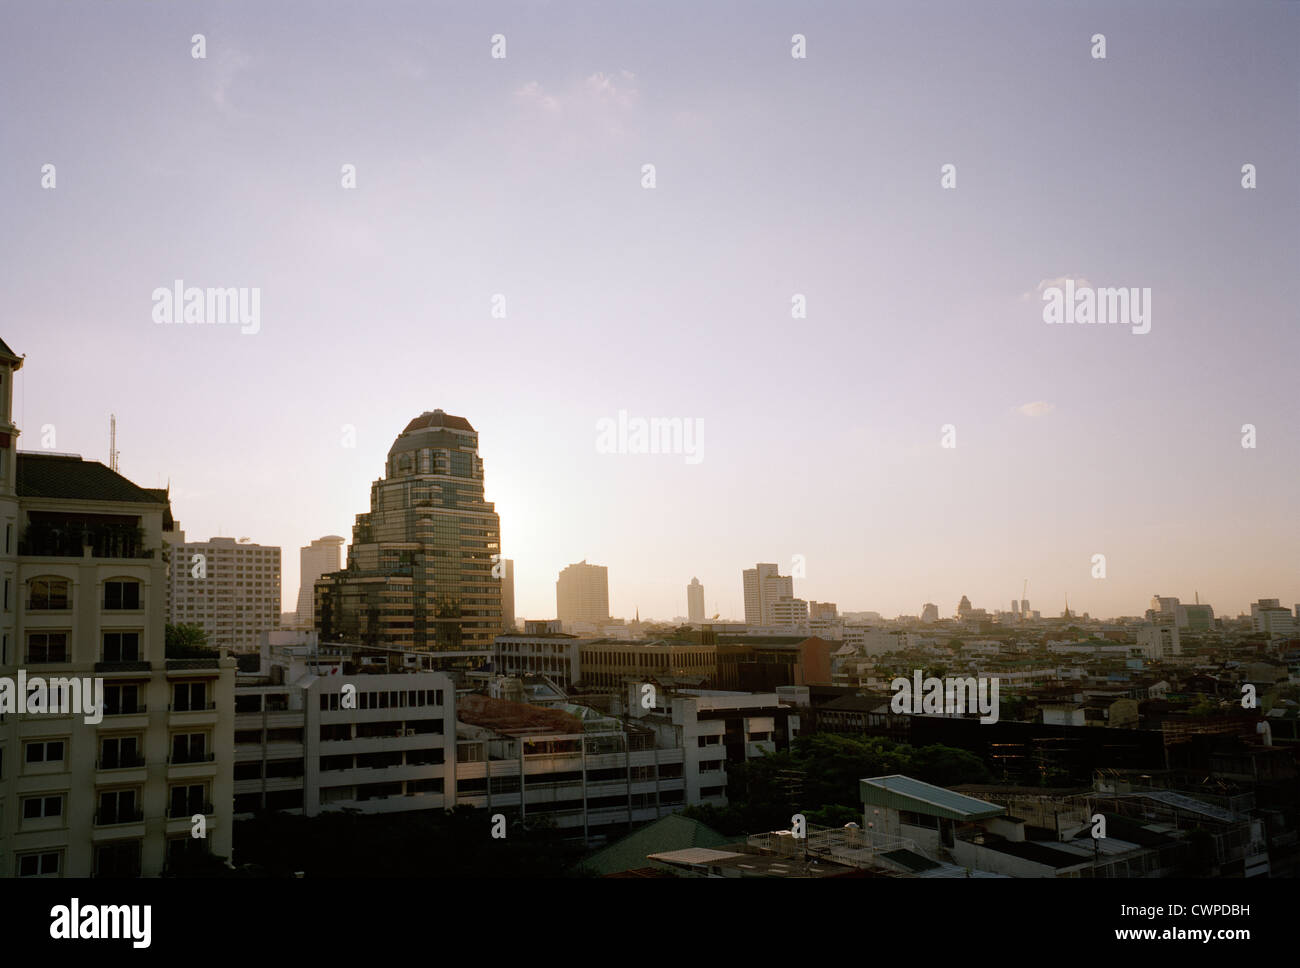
(904, 793)
(673, 832)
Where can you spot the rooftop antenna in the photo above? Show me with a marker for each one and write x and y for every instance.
(112, 442)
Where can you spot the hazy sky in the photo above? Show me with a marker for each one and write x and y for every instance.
(774, 176)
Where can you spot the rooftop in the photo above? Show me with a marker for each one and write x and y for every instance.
(514, 717)
(673, 832)
(65, 478)
(904, 793)
(435, 419)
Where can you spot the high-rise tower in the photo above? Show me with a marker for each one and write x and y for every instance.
(695, 601)
(419, 569)
(321, 557)
(582, 594)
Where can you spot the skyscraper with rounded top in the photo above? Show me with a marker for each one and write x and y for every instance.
(420, 568)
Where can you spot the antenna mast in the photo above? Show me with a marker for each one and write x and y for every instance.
(112, 442)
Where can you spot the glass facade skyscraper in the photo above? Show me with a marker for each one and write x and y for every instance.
(420, 568)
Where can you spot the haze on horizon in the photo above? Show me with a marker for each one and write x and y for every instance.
(774, 177)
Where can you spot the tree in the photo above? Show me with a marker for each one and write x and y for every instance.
(187, 642)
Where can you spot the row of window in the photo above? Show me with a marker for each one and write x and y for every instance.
(112, 860)
(115, 752)
(121, 806)
(50, 594)
(394, 699)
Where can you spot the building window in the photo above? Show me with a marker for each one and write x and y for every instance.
(39, 865)
(46, 594)
(189, 697)
(50, 751)
(190, 799)
(121, 646)
(118, 806)
(47, 647)
(120, 752)
(124, 594)
(123, 699)
(184, 852)
(40, 808)
(118, 860)
(190, 748)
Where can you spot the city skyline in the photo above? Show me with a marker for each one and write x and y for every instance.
(776, 178)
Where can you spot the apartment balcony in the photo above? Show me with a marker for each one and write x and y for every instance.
(118, 825)
(121, 769)
(381, 774)
(281, 718)
(381, 744)
(191, 767)
(124, 667)
(78, 538)
(193, 714)
(125, 717)
(603, 788)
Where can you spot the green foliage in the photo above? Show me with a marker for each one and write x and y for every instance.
(187, 642)
(819, 777)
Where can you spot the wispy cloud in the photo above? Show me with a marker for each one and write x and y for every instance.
(598, 96)
(532, 93)
(1039, 408)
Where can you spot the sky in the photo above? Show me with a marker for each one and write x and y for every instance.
(774, 176)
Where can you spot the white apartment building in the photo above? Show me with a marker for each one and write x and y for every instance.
(229, 588)
(1269, 617)
(321, 557)
(763, 587)
(84, 586)
(712, 728)
(790, 614)
(409, 744)
(1159, 641)
(874, 641)
(85, 595)
(305, 741)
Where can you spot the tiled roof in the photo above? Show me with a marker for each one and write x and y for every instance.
(7, 352)
(432, 420)
(73, 479)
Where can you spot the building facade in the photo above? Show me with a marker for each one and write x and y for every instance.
(763, 587)
(419, 569)
(582, 594)
(112, 794)
(694, 601)
(322, 557)
(229, 588)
